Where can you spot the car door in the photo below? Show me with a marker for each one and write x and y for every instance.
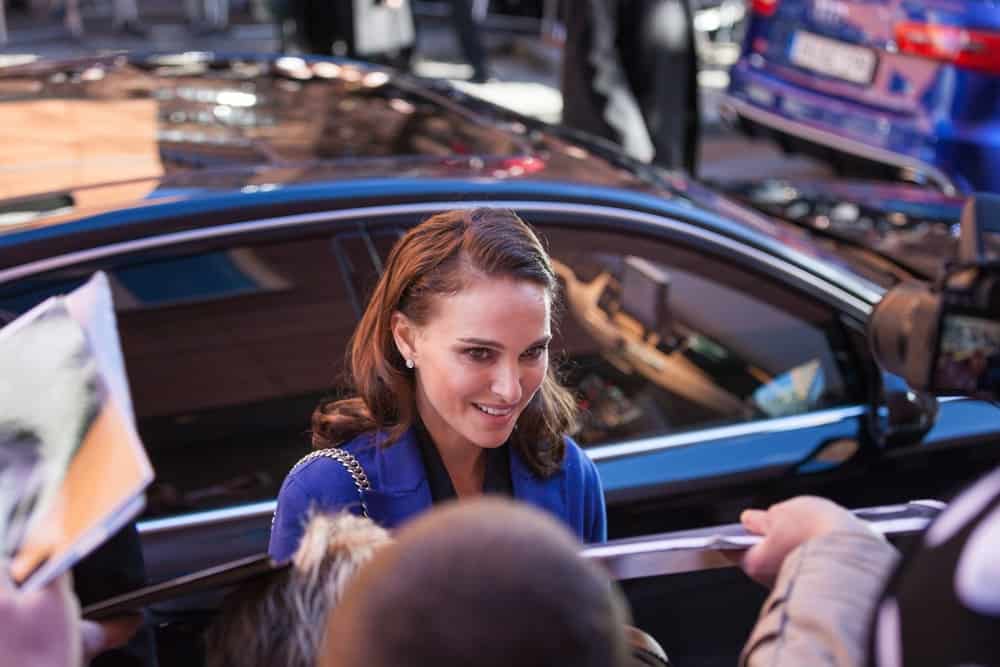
(707, 381)
(231, 340)
(712, 378)
(229, 345)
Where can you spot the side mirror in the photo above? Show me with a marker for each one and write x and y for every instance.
(903, 416)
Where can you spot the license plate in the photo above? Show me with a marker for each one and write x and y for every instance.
(828, 56)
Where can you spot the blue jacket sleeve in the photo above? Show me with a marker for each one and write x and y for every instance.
(321, 485)
(289, 520)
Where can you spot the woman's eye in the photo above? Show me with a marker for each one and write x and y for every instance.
(535, 352)
(479, 353)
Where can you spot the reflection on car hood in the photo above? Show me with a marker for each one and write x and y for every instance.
(915, 227)
(93, 144)
(72, 130)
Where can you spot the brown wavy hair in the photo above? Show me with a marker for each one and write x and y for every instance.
(436, 258)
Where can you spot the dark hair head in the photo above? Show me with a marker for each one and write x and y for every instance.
(483, 582)
(438, 258)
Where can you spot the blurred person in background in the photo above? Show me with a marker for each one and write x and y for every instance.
(486, 583)
(124, 18)
(470, 39)
(380, 31)
(42, 628)
(280, 619)
(629, 74)
(207, 16)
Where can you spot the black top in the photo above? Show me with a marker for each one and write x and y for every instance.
(496, 480)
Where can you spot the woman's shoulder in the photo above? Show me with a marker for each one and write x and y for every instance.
(576, 463)
(323, 467)
(574, 453)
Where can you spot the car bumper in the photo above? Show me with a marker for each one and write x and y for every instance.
(838, 125)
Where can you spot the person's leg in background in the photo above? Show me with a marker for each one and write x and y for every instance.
(629, 74)
(656, 43)
(596, 90)
(470, 38)
(217, 14)
(125, 17)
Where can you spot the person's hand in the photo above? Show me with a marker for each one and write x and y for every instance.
(101, 636)
(40, 627)
(787, 525)
(44, 628)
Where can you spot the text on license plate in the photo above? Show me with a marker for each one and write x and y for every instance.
(833, 58)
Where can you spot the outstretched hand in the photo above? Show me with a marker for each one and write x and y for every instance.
(787, 525)
(101, 636)
(40, 627)
(43, 628)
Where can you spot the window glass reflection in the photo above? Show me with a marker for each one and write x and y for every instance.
(658, 340)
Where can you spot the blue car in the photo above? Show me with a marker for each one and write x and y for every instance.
(905, 89)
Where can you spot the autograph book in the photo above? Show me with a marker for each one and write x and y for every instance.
(73, 470)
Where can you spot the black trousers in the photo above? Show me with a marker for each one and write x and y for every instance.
(659, 67)
(469, 38)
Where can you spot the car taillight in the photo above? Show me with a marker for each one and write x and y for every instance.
(969, 49)
(764, 7)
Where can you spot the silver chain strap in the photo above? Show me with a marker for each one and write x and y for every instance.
(351, 465)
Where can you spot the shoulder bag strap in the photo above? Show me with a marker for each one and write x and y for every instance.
(351, 465)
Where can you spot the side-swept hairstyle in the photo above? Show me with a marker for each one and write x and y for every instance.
(438, 258)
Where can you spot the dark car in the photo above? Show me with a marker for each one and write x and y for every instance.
(242, 209)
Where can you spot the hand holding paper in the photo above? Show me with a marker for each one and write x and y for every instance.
(41, 628)
(72, 468)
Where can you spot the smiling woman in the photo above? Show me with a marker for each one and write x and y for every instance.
(454, 394)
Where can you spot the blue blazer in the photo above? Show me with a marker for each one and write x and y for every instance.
(400, 490)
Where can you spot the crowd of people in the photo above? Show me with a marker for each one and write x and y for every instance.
(458, 440)
(493, 582)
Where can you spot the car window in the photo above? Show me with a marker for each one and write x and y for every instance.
(228, 350)
(657, 339)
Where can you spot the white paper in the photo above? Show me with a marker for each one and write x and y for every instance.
(72, 467)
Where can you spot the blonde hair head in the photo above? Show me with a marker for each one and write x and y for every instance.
(280, 619)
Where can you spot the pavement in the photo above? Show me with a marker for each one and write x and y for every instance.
(525, 69)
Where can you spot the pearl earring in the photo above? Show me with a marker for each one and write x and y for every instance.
(409, 364)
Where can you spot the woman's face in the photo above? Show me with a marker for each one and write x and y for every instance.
(479, 359)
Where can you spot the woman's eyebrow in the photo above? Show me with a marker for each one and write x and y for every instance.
(482, 342)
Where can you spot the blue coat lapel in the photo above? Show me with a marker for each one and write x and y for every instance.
(400, 489)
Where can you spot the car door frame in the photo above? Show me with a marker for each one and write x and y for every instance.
(244, 528)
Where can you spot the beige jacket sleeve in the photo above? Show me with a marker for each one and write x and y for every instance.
(820, 609)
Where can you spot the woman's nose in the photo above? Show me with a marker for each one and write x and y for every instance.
(507, 383)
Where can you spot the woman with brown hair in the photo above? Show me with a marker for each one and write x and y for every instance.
(454, 393)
